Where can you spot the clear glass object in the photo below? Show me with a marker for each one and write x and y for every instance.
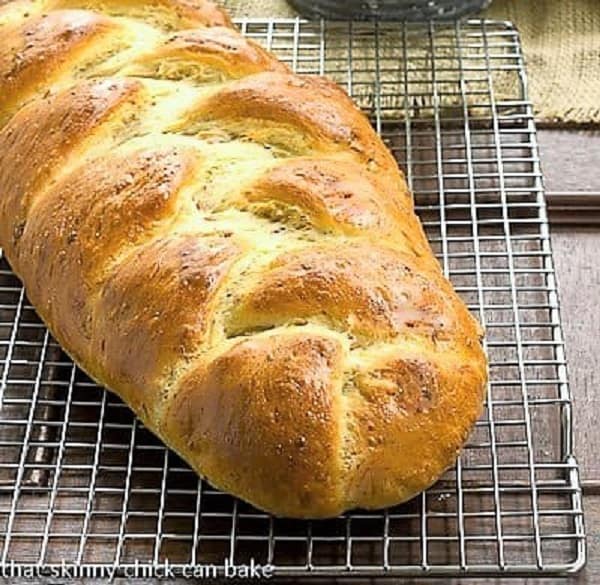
(413, 10)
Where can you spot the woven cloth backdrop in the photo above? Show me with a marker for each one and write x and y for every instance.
(561, 40)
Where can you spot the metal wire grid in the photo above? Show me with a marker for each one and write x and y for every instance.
(82, 481)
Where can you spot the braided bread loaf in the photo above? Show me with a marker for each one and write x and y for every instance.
(232, 249)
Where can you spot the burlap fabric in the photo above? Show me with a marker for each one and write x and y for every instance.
(561, 43)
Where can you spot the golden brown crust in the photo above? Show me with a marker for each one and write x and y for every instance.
(336, 196)
(321, 114)
(32, 53)
(232, 249)
(370, 291)
(265, 419)
(87, 221)
(160, 299)
(411, 413)
(207, 54)
(42, 135)
(167, 14)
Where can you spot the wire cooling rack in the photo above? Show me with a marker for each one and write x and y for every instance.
(84, 483)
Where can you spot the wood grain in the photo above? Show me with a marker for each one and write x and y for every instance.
(578, 273)
(589, 576)
(570, 163)
(574, 207)
(570, 159)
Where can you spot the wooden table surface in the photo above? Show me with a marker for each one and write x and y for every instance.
(571, 166)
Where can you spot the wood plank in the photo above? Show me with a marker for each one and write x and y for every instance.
(574, 207)
(570, 159)
(578, 273)
(589, 576)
